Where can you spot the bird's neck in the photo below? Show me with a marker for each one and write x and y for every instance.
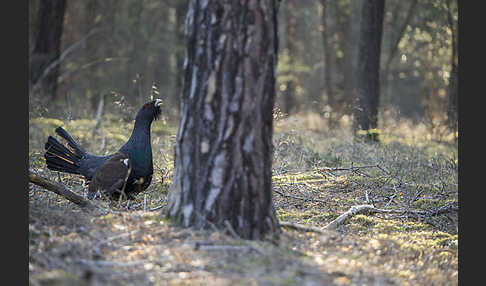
(140, 137)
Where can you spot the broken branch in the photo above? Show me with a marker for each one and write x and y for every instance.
(351, 212)
(297, 226)
(60, 190)
(354, 210)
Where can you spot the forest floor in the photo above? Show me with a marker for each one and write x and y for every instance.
(318, 175)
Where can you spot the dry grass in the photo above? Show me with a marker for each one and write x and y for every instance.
(313, 184)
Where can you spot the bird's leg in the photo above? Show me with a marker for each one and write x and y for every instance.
(122, 191)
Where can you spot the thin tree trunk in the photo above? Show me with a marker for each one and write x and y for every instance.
(90, 49)
(223, 151)
(452, 88)
(47, 46)
(368, 83)
(290, 38)
(134, 71)
(326, 34)
(401, 32)
(161, 73)
(181, 8)
(350, 58)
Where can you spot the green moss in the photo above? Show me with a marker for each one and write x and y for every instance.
(46, 122)
(308, 216)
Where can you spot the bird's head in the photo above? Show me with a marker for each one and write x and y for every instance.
(151, 110)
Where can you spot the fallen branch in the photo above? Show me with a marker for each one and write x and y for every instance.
(297, 226)
(351, 212)
(354, 210)
(333, 224)
(61, 190)
(155, 208)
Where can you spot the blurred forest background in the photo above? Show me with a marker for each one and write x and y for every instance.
(117, 50)
(93, 63)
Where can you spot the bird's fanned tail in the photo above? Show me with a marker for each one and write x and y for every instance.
(59, 157)
(73, 144)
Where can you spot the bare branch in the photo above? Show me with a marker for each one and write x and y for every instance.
(61, 190)
(297, 226)
(345, 216)
(354, 210)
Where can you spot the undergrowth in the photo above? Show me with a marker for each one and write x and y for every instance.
(317, 175)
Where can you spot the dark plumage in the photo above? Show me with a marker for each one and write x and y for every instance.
(75, 160)
(111, 176)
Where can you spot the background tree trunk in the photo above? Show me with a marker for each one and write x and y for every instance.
(368, 83)
(47, 46)
(289, 100)
(181, 8)
(136, 75)
(223, 152)
(351, 59)
(326, 35)
(453, 78)
(90, 49)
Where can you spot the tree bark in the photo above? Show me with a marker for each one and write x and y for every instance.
(90, 49)
(47, 45)
(290, 25)
(181, 9)
(351, 59)
(326, 35)
(223, 151)
(452, 88)
(368, 83)
(135, 72)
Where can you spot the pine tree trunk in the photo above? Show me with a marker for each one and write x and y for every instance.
(368, 83)
(47, 46)
(223, 152)
(290, 26)
(181, 8)
(453, 79)
(326, 35)
(91, 49)
(351, 58)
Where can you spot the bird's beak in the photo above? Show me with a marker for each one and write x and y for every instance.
(158, 102)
